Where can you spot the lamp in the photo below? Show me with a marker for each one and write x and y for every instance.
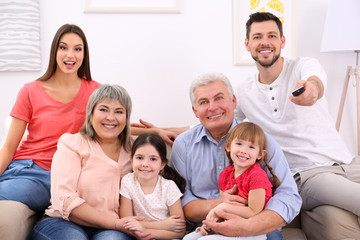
(341, 35)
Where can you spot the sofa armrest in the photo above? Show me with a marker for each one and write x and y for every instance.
(16, 220)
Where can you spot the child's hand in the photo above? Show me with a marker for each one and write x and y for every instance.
(229, 196)
(203, 229)
(211, 216)
(175, 224)
(133, 225)
(143, 236)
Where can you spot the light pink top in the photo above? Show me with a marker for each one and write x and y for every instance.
(82, 172)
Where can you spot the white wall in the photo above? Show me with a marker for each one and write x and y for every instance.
(156, 56)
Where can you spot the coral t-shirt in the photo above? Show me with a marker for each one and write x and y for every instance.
(48, 119)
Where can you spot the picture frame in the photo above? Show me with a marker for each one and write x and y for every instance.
(20, 36)
(131, 6)
(284, 9)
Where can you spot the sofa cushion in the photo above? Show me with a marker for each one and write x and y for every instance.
(330, 223)
(16, 220)
(293, 234)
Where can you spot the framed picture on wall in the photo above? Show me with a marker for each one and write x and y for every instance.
(20, 35)
(131, 6)
(284, 9)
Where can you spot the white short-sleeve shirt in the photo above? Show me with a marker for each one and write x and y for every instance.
(154, 206)
(306, 134)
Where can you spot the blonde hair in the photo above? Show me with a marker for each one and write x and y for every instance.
(253, 133)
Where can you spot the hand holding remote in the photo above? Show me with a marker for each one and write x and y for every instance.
(298, 91)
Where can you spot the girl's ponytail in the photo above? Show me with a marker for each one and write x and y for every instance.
(171, 174)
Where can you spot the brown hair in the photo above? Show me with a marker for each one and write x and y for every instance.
(158, 143)
(253, 133)
(84, 70)
(262, 17)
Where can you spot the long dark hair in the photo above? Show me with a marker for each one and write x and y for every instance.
(84, 70)
(253, 133)
(158, 143)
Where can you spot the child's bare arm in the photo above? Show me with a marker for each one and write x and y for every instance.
(172, 227)
(256, 203)
(126, 207)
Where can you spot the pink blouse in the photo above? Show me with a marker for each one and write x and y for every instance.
(82, 172)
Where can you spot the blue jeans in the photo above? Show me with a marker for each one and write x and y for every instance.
(58, 229)
(275, 235)
(26, 182)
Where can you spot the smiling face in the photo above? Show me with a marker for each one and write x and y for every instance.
(147, 164)
(70, 53)
(108, 120)
(244, 154)
(265, 43)
(215, 108)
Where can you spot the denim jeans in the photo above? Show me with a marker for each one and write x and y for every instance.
(26, 182)
(275, 235)
(59, 229)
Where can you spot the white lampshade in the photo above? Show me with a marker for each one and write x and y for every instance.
(341, 30)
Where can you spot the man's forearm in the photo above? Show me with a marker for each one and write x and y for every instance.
(318, 84)
(177, 130)
(197, 210)
(264, 222)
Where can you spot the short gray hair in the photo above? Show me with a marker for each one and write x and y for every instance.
(207, 78)
(111, 92)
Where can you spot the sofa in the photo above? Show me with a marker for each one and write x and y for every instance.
(321, 216)
(8, 220)
(324, 222)
(292, 231)
(321, 223)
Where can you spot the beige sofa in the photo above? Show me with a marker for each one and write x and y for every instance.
(321, 223)
(324, 222)
(321, 216)
(9, 220)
